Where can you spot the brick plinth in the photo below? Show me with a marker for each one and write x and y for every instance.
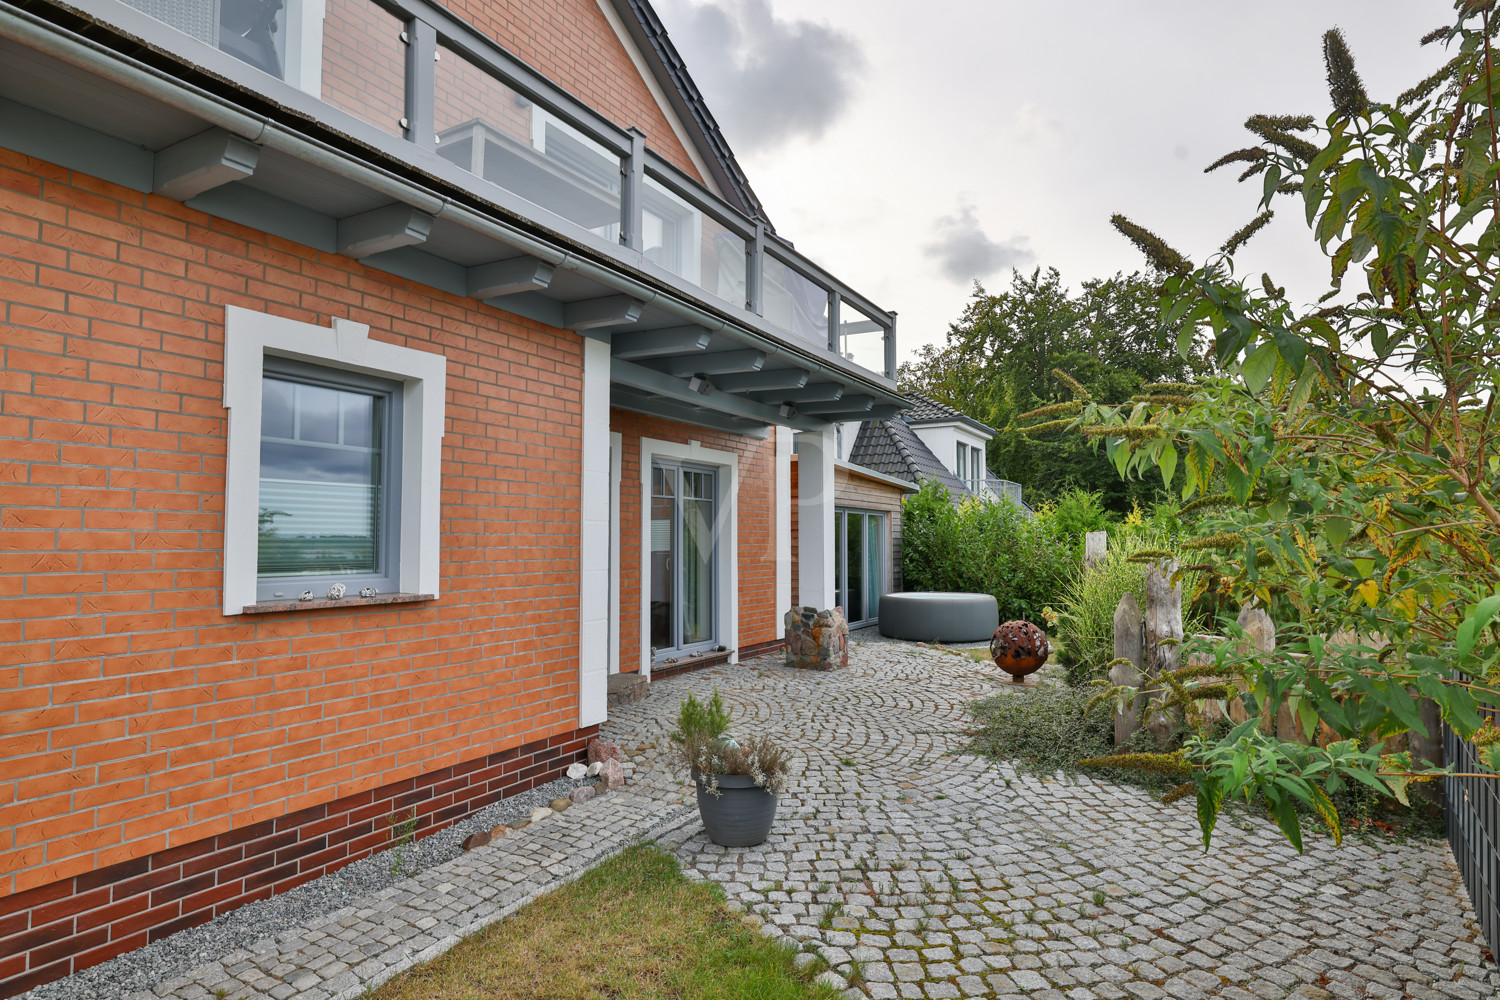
(67, 926)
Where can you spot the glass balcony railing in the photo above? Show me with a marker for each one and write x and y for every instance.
(408, 70)
(861, 338)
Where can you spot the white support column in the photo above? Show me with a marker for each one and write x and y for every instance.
(593, 541)
(815, 456)
(784, 437)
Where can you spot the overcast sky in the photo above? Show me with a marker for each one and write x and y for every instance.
(911, 148)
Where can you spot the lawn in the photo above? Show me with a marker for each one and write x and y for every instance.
(633, 927)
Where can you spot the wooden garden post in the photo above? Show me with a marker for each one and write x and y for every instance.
(1095, 544)
(1127, 666)
(1163, 631)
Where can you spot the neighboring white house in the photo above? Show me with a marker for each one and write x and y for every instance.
(932, 440)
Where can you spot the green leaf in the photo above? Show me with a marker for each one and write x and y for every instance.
(1308, 716)
(1210, 799)
(1257, 368)
(1286, 818)
(1400, 279)
(1292, 348)
(1341, 262)
(1336, 529)
(1273, 178)
(1167, 463)
(1323, 806)
(1473, 625)
(1461, 711)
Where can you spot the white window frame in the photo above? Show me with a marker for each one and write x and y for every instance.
(248, 338)
(279, 588)
(726, 538)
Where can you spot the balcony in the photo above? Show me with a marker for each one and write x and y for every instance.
(399, 135)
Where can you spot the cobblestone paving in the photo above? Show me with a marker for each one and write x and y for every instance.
(918, 871)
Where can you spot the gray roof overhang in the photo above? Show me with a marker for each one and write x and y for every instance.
(101, 98)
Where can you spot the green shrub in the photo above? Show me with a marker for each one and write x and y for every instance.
(695, 719)
(1086, 617)
(985, 546)
(1076, 513)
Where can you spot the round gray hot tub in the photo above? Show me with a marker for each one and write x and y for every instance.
(934, 617)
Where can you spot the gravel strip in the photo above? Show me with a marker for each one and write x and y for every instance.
(172, 956)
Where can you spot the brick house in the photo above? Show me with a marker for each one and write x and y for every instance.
(466, 311)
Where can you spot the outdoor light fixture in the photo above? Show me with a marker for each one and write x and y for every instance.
(788, 411)
(700, 384)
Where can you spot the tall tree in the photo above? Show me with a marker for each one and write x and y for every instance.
(999, 356)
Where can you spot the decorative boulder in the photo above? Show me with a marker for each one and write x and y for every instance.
(611, 775)
(582, 794)
(602, 751)
(558, 805)
(476, 840)
(576, 771)
(816, 640)
(1019, 648)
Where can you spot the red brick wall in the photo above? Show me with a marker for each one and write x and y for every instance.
(756, 526)
(571, 43)
(134, 716)
(364, 63)
(72, 924)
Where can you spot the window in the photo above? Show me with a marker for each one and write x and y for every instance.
(284, 39)
(976, 469)
(963, 463)
(334, 462)
(329, 494)
(859, 564)
(683, 545)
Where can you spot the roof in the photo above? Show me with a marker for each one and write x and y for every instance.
(893, 448)
(926, 410)
(905, 485)
(666, 64)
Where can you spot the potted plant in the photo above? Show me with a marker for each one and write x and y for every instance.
(738, 782)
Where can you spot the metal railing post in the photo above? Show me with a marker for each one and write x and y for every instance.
(632, 190)
(421, 83)
(755, 271)
(890, 348)
(833, 323)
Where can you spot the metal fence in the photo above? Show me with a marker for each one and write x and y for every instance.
(1471, 812)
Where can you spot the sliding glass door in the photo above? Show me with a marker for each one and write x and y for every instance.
(859, 563)
(683, 553)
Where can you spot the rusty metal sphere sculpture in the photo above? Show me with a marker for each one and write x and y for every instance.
(1019, 648)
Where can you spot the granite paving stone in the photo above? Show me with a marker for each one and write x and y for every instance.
(918, 870)
(931, 851)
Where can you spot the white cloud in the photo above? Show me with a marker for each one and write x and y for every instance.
(769, 80)
(963, 251)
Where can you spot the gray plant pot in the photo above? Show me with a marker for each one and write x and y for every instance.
(740, 815)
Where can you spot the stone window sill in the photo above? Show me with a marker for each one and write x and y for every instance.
(323, 603)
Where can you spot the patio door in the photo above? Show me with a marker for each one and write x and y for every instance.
(859, 563)
(683, 559)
